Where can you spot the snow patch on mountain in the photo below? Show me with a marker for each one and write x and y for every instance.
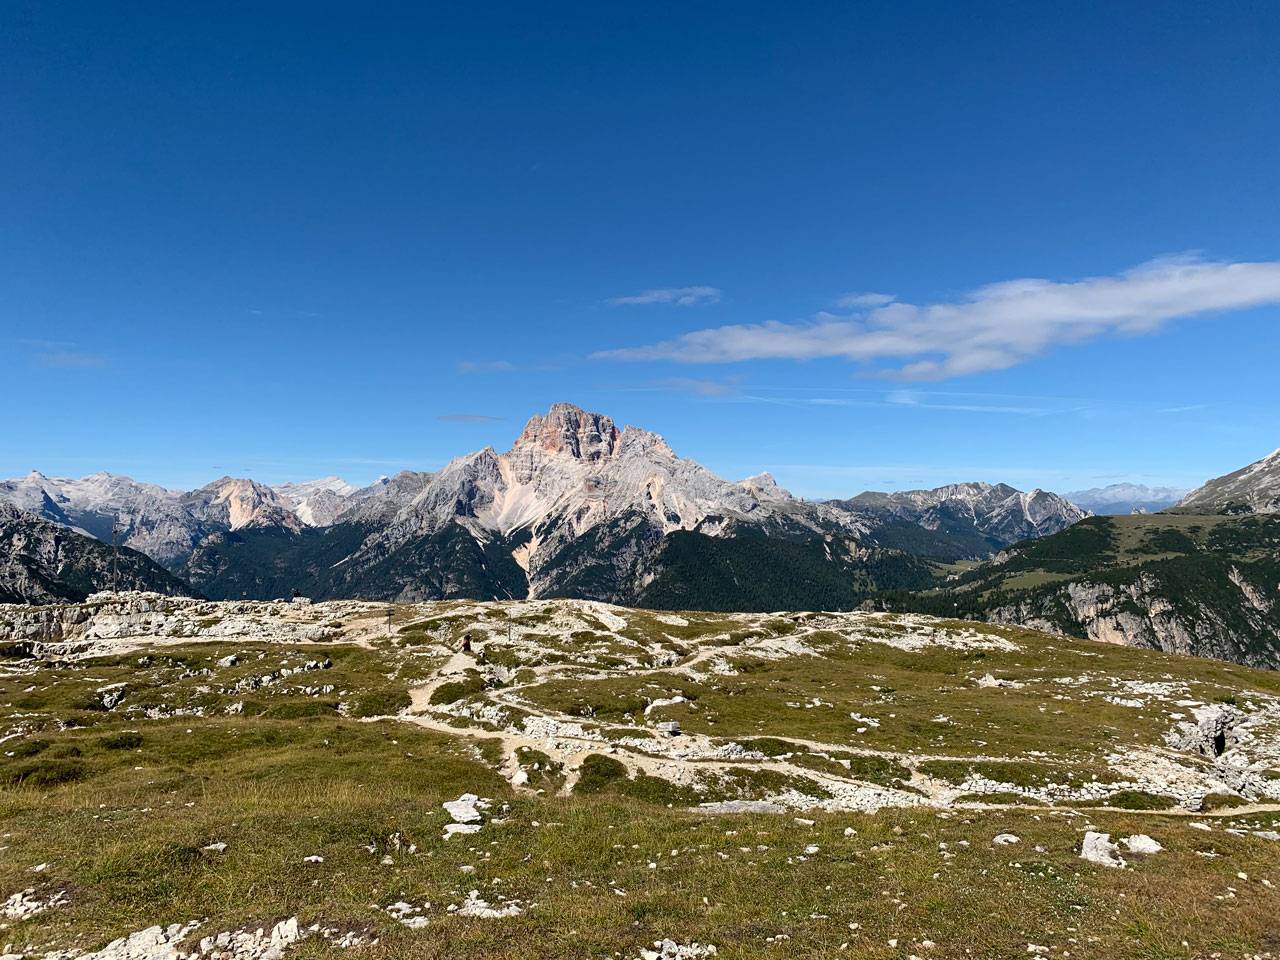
(318, 503)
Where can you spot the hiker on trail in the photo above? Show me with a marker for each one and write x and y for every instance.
(466, 643)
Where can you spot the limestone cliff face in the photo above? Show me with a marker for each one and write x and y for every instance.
(233, 504)
(567, 430)
(1148, 612)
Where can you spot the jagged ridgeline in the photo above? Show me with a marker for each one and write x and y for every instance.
(578, 507)
(1200, 578)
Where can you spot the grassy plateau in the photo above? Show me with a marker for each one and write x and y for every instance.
(836, 788)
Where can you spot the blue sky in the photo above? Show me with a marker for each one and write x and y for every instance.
(284, 240)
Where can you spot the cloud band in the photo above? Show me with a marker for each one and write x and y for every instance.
(996, 327)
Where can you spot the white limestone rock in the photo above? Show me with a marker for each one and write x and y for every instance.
(1098, 848)
(1141, 843)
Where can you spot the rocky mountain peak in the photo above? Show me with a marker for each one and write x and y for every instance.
(241, 502)
(765, 487)
(568, 430)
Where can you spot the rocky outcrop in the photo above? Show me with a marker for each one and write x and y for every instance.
(102, 620)
(1211, 733)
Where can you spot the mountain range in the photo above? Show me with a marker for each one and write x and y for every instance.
(581, 508)
(576, 507)
(1120, 498)
(1205, 585)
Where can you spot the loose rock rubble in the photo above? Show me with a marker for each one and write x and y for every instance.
(25, 904)
(171, 943)
(117, 622)
(670, 950)
(407, 914)
(474, 906)
(466, 813)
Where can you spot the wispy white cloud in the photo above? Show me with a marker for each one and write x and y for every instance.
(39, 344)
(698, 388)
(467, 418)
(852, 301)
(67, 360)
(680, 296)
(484, 366)
(959, 403)
(996, 327)
(1184, 409)
(930, 401)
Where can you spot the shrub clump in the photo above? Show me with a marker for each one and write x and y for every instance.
(297, 709)
(770, 746)
(598, 773)
(456, 690)
(1136, 800)
(129, 740)
(1222, 801)
(29, 748)
(380, 703)
(46, 773)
